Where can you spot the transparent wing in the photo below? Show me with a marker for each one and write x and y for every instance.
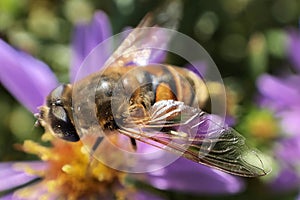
(143, 43)
(200, 137)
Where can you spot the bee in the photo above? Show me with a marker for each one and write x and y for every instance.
(156, 104)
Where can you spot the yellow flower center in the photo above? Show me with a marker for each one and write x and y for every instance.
(71, 171)
(262, 125)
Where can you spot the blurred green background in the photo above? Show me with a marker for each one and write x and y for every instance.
(245, 38)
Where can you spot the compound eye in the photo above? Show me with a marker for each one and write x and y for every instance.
(59, 113)
(61, 124)
(58, 103)
(55, 96)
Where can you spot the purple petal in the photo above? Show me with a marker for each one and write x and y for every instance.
(36, 191)
(293, 81)
(14, 177)
(298, 197)
(286, 180)
(7, 197)
(187, 176)
(290, 120)
(157, 56)
(230, 120)
(294, 48)
(27, 78)
(277, 92)
(198, 67)
(288, 150)
(86, 37)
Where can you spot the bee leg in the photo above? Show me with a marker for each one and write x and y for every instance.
(133, 143)
(93, 150)
(96, 145)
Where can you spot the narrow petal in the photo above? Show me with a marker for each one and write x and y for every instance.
(278, 91)
(198, 67)
(7, 197)
(294, 48)
(298, 197)
(187, 176)
(36, 191)
(85, 38)
(157, 56)
(290, 120)
(13, 177)
(285, 181)
(100, 29)
(27, 78)
(288, 150)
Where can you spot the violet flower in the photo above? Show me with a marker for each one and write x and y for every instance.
(281, 94)
(65, 170)
(294, 48)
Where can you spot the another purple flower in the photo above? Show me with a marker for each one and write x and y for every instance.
(282, 96)
(279, 93)
(287, 152)
(30, 80)
(294, 48)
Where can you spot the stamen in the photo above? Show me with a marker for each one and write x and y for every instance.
(70, 172)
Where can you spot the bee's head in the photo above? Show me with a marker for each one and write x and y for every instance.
(56, 116)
